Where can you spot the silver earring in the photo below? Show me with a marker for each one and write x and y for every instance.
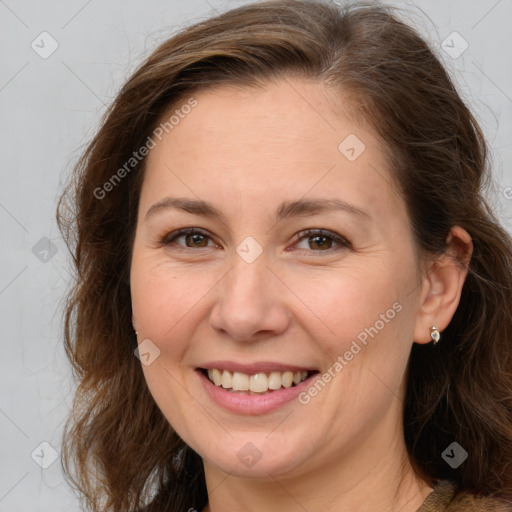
(434, 334)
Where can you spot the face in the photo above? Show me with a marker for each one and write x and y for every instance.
(298, 275)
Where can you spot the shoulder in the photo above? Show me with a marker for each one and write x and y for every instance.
(464, 501)
(445, 498)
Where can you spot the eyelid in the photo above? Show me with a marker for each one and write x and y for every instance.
(168, 238)
(298, 237)
(341, 242)
(307, 233)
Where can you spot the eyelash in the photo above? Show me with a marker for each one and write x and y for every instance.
(307, 233)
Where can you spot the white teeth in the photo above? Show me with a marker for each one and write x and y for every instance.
(217, 377)
(256, 383)
(240, 381)
(227, 380)
(274, 380)
(287, 379)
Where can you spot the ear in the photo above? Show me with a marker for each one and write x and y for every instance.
(441, 287)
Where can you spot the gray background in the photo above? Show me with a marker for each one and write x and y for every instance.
(51, 106)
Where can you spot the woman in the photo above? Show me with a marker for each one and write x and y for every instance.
(291, 293)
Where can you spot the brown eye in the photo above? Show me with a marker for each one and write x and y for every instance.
(194, 238)
(198, 238)
(319, 240)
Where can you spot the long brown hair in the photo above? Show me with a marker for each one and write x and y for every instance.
(118, 449)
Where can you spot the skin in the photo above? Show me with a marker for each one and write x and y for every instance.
(246, 151)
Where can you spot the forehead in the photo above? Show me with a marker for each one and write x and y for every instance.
(281, 141)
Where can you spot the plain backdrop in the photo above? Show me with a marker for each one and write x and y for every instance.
(50, 105)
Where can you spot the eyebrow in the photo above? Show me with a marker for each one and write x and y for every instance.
(300, 208)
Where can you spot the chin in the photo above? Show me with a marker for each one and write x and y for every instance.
(254, 455)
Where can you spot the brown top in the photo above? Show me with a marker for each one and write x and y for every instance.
(445, 499)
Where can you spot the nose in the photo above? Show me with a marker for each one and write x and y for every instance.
(251, 302)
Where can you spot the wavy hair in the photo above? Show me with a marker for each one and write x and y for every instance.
(118, 449)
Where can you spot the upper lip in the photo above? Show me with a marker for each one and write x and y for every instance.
(253, 368)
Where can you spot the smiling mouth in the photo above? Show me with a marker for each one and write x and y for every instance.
(258, 383)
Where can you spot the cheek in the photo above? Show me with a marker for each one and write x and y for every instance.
(165, 300)
(349, 298)
(365, 309)
(334, 306)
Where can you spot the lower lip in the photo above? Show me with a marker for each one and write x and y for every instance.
(252, 404)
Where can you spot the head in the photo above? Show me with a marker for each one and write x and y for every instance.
(314, 103)
(202, 303)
